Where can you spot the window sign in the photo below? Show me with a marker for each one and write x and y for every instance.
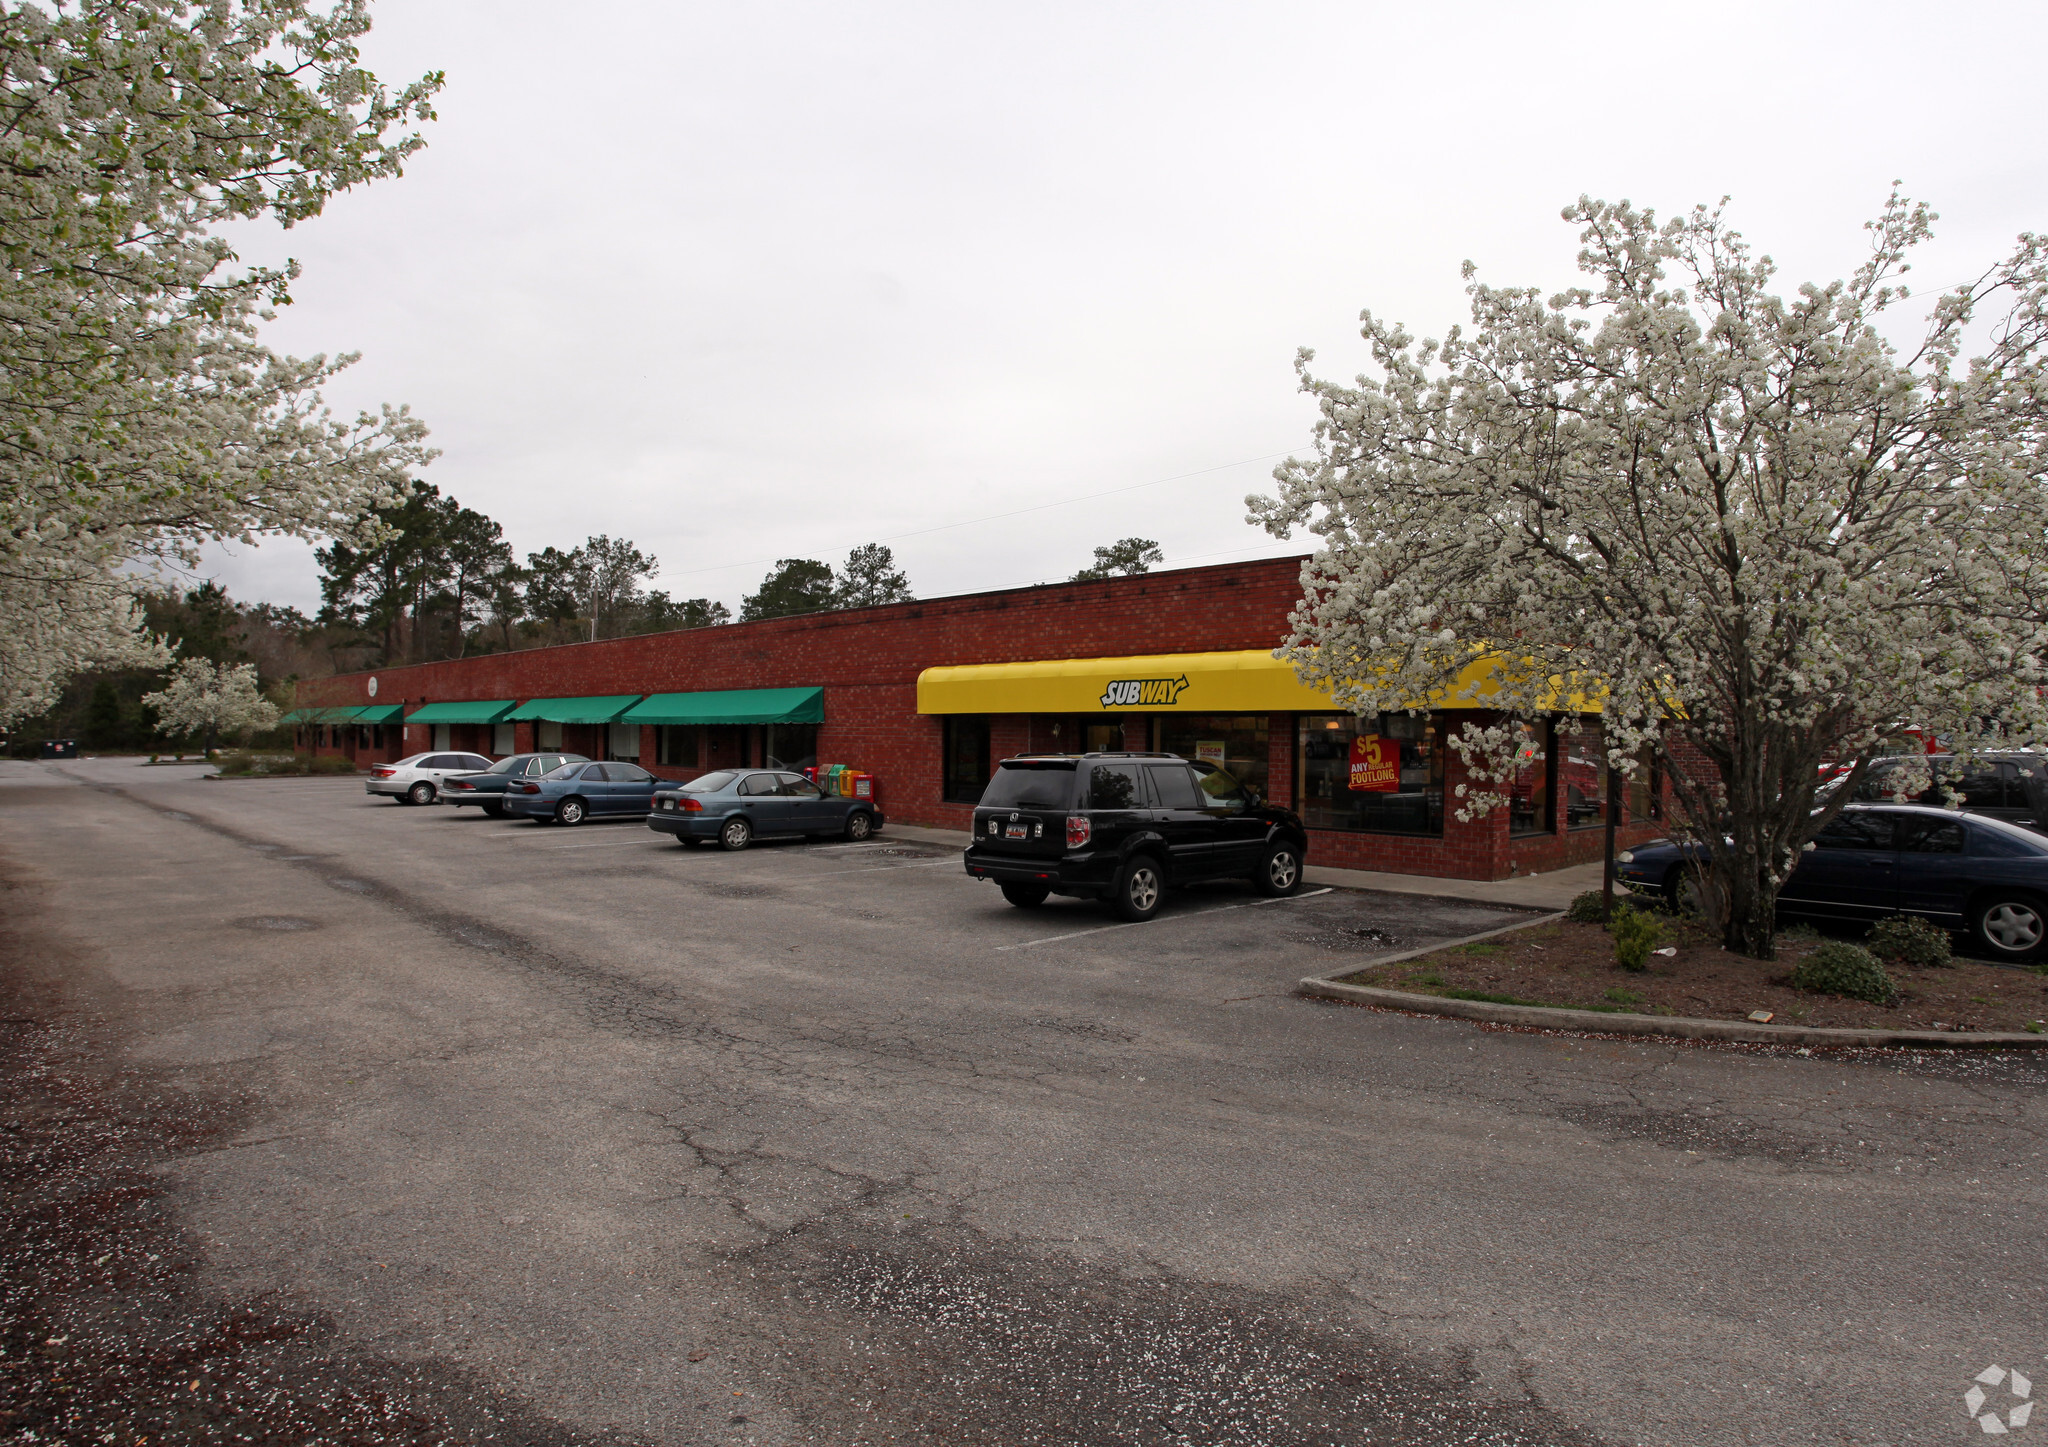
(1406, 785)
(1375, 765)
(1529, 809)
(1238, 743)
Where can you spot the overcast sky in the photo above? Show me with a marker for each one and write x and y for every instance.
(755, 282)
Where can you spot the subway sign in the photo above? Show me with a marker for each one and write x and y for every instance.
(1143, 692)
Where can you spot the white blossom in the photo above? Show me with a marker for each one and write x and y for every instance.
(139, 416)
(204, 700)
(1728, 517)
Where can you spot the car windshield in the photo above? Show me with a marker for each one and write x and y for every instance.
(710, 783)
(513, 765)
(1030, 786)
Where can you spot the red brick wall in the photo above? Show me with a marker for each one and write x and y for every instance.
(868, 661)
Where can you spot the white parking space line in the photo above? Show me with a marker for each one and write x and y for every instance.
(594, 844)
(1140, 924)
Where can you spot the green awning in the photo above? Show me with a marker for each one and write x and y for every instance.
(488, 711)
(599, 710)
(335, 714)
(375, 713)
(731, 706)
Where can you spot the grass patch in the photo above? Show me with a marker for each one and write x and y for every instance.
(1427, 977)
(1620, 996)
(1484, 947)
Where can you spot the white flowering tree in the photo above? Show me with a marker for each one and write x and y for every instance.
(205, 700)
(1764, 538)
(139, 416)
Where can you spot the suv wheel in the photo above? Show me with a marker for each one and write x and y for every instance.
(1279, 872)
(421, 793)
(1139, 888)
(1026, 896)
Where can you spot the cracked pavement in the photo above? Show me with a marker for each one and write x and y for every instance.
(826, 1143)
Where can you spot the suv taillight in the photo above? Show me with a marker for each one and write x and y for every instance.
(1078, 830)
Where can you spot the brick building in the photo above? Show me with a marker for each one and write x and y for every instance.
(926, 696)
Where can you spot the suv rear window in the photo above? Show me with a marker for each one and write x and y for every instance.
(1115, 786)
(1030, 786)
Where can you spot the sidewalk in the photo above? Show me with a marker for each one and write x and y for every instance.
(1529, 891)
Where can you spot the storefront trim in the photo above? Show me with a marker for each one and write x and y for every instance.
(603, 709)
(731, 706)
(1252, 681)
(488, 711)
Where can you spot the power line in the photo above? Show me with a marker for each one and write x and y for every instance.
(1018, 512)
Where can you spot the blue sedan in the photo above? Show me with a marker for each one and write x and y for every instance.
(1963, 872)
(576, 792)
(734, 806)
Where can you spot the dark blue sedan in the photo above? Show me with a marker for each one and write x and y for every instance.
(735, 806)
(576, 792)
(1963, 872)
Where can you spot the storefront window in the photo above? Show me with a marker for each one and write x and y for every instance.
(675, 746)
(1383, 775)
(1234, 743)
(791, 746)
(548, 735)
(1583, 772)
(502, 739)
(1645, 792)
(966, 758)
(624, 742)
(1529, 788)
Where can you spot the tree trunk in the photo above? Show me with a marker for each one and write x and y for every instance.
(1751, 927)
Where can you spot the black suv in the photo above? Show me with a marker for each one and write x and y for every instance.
(2011, 785)
(1122, 827)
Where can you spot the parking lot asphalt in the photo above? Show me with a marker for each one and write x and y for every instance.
(826, 1143)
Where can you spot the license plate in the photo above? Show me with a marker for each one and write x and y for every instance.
(1017, 831)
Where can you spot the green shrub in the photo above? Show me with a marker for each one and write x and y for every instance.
(1910, 940)
(1585, 908)
(247, 765)
(1635, 935)
(1850, 971)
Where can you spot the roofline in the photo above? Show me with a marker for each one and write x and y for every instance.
(879, 609)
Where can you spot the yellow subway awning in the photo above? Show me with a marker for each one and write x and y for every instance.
(1253, 681)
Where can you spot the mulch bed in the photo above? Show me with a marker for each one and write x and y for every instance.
(1573, 965)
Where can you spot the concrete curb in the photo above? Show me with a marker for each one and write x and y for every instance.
(1599, 1022)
